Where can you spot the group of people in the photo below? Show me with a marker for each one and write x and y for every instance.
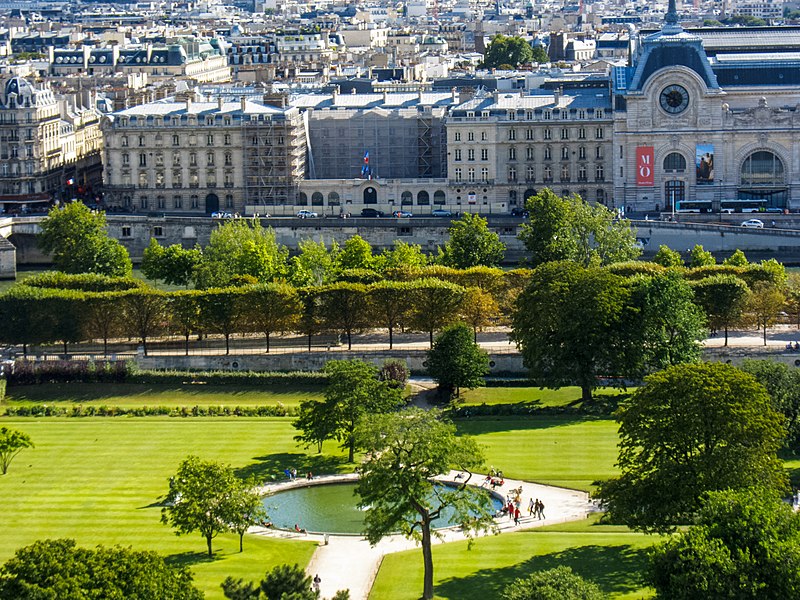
(793, 347)
(494, 479)
(536, 508)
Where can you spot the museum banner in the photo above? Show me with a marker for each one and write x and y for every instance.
(644, 166)
(704, 163)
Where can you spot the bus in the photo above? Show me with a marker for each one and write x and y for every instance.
(745, 206)
(693, 206)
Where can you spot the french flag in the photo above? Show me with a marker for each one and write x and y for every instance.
(365, 172)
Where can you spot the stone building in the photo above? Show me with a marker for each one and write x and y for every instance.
(708, 120)
(203, 156)
(49, 147)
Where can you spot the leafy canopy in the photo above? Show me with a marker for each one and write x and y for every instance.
(692, 429)
(456, 361)
(12, 442)
(471, 244)
(553, 584)
(503, 50)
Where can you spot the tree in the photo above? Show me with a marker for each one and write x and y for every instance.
(405, 452)
(763, 305)
(737, 259)
(553, 584)
(793, 295)
(18, 313)
(184, 314)
(667, 257)
(434, 303)
(356, 254)
(745, 544)
(344, 308)
(353, 391)
(783, 384)
(402, 255)
(100, 317)
(723, 298)
(272, 307)
(240, 247)
(221, 311)
(12, 442)
(568, 228)
(284, 582)
(310, 321)
(144, 312)
(699, 257)
(668, 327)
(199, 499)
(689, 430)
(389, 303)
(478, 310)
(471, 244)
(502, 50)
(60, 569)
(456, 361)
(567, 325)
(76, 237)
(315, 264)
(174, 265)
(245, 509)
(539, 55)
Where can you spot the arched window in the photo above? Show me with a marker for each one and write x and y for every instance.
(423, 198)
(600, 196)
(763, 168)
(317, 199)
(302, 199)
(439, 197)
(674, 163)
(333, 199)
(406, 198)
(529, 193)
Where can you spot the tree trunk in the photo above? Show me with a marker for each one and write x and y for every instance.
(309, 342)
(586, 393)
(351, 450)
(427, 558)
(144, 345)
(391, 337)
(105, 346)
(25, 350)
(475, 335)
(208, 542)
(765, 333)
(186, 344)
(349, 340)
(227, 344)
(241, 537)
(726, 334)
(431, 337)
(66, 352)
(267, 336)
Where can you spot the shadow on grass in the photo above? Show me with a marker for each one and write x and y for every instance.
(270, 468)
(190, 559)
(498, 424)
(616, 569)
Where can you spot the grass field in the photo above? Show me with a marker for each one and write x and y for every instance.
(612, 557)
(137, 395)
(535, 397)
(98, 481)
(557, 450)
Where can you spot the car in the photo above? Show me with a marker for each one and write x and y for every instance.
(221, 215)
(441, 212)
(402, 214)
(519, 212)
(306, 214)
(371, 212)
(753, 224)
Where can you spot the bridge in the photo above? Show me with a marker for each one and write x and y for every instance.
(18, 235)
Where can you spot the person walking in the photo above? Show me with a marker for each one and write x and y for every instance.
(317, 581)
(531, 507)
(516, 515)
(541, 510)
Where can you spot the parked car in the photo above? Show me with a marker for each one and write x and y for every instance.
(519, 212)
(753, 224)
(402, 214)
(441, 212)
(221, 215)
(306, 214)
(371, 212)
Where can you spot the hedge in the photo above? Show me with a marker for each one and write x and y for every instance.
(44, 410)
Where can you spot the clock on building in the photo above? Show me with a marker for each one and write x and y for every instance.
(674, 99)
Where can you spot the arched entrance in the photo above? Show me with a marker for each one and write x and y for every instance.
(763, 181)
(370, 195)
(212, 203)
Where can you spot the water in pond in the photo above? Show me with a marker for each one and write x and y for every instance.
(326, 508)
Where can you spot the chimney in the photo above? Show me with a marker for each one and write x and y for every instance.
(454, 94)
(244, 104)
(188, 104)
(557, 96)
(385, 97)
(335, 94)
(220, 103)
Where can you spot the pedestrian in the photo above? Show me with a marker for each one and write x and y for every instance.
(531, 507)
(541, 510)
(317, 581)
(516, 515)
(294, 473)
(510, 506)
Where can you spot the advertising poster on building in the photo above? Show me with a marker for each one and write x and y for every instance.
(704, 162)
(644, 166)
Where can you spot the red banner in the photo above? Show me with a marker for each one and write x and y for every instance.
(644, 166)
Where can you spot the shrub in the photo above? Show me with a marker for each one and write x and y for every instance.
(87, 282)
(395, 372)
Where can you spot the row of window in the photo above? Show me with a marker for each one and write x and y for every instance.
(144, 180)
(530, 153)
(175, 121)
(176, 159)
(176, 140)
(406, 198)
(161, 202)
(530, 174)
(547, 115)
(547, 134)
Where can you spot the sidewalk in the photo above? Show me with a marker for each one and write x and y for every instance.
(349, 562)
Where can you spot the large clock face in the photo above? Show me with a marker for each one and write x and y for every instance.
(674, 99)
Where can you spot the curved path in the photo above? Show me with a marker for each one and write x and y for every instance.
(349, 562)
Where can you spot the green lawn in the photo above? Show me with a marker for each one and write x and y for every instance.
(535, 397)
(131, 395)
(98, 481)
(556, 450)
(612, 557)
